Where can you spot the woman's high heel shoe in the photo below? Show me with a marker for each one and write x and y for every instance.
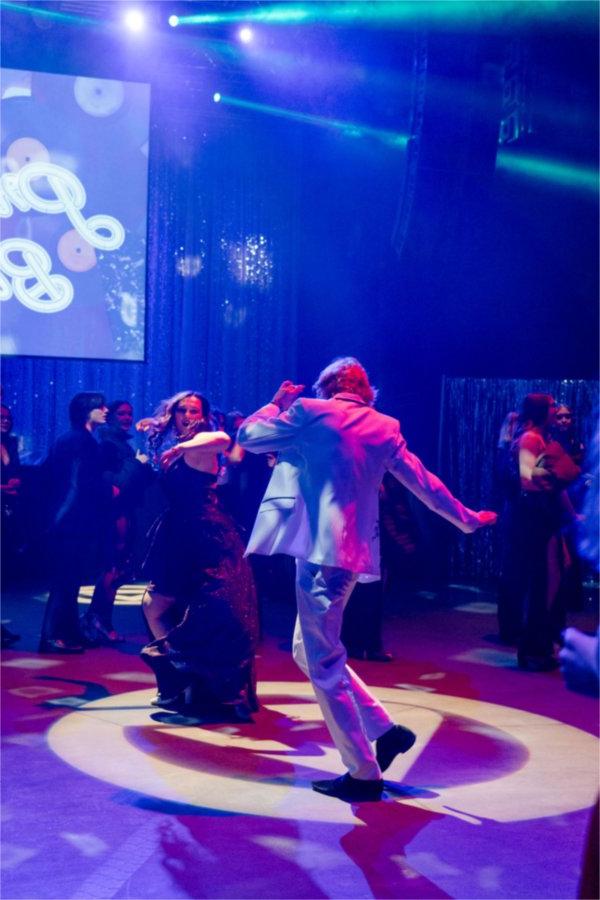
(57, 645)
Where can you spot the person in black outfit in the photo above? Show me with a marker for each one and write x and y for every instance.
(507, 489)
(10, 468)
(79, 504)
(128, 474)
(204, 638)
(564, 433)
(11, 530)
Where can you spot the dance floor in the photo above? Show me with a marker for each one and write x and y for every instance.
(105, 796)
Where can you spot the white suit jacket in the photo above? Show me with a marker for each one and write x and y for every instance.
(322, 502)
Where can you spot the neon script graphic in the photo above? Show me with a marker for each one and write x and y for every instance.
(31, 280)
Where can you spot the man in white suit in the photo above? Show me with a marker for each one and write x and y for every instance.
(321, 506)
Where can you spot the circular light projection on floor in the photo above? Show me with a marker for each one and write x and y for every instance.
(265, 768)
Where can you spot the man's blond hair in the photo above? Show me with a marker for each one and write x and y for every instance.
(344, 375)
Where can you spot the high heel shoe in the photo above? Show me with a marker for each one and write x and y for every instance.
(95, 632)
(57, 645)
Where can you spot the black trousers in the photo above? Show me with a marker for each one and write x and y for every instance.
(72, 558)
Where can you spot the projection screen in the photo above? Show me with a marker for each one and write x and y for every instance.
(73, 209)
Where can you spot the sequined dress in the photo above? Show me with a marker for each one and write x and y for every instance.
(196, 555)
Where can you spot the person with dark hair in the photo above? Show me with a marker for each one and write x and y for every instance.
(321, 507)
(79, 505)
(200, 604)
(563, 431)
(9, 459)
(504, 468)
(507, 488)
(128, 473)
(10, 468)
(537, 553)
(564, 435)
(11, 526)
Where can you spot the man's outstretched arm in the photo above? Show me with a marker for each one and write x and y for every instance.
(411, 472)
(275, 426)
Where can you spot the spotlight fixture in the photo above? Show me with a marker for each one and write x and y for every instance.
(217, 97)
(245, 34)
(173, 21)
(134, 20)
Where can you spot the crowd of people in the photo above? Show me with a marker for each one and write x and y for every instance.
(541, 490)
(200, 604)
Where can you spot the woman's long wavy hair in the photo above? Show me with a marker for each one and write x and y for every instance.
(162, 427)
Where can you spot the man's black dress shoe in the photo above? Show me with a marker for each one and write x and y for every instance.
(48, 645)
(389, 745)
(350, 789)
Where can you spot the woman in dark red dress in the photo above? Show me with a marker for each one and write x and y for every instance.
(204, 639)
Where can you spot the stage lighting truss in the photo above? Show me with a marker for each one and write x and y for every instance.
(516, 120)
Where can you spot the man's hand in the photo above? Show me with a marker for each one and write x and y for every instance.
(486, 517)
(286, 394)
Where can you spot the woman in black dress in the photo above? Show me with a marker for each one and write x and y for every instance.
(204, 638)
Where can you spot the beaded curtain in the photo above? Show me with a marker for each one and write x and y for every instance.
(473, 410)
(221, 306)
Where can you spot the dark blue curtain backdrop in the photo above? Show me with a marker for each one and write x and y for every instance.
(221, 303)
(473, 410)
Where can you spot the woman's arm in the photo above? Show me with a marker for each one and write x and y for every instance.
(210, 441)
(207, 443)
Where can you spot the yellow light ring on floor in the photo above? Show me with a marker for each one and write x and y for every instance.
(558, 776)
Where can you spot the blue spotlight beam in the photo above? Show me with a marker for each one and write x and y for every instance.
(350, 129)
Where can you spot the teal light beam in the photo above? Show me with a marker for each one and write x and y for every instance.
(45, 13)
(350, 129)
(544, 169)
(382, 13)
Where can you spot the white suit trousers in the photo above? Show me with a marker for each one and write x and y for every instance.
(355, 718)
